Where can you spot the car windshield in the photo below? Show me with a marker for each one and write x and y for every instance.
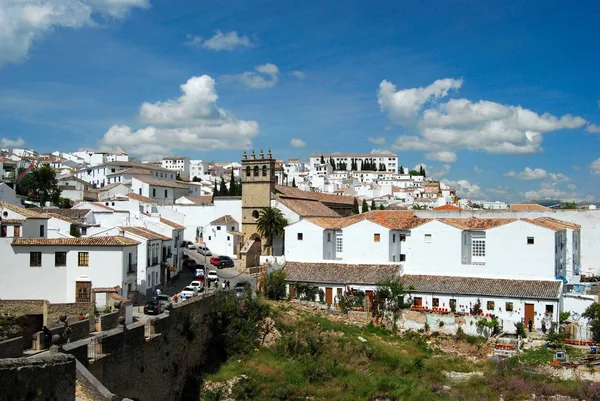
(224, 258)
(151, 303)
(162, 297)
(189, 289)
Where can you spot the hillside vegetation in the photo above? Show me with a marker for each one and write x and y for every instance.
(320, 359)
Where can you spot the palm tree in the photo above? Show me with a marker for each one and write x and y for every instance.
(270, 224)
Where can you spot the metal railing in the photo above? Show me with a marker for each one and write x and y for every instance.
(132, 268)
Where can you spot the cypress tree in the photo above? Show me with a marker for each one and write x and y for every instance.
(401, 170)
(322, 160)
(373, 207)
(355, 207)
(215, 191)
(381, 207)
(365, 206)
(294, 182)
(223, 188)
(233, 191)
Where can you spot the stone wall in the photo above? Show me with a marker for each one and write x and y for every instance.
(38, 378)
(79, 329)
(21, 307)
(158, 367)
(107, 321)
(73, 310)
(12, 348)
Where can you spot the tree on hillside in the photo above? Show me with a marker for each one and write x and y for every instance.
(373, 207)
(389, 295)
(401, 170)
(365, 206)
(322, 160)
(568, 205)
(332, 162)
(413, 172)
(294, 182)
(270, 224)
(196, 179)
(215, 191)
(40, 184)
(355, 207)
(381, 207)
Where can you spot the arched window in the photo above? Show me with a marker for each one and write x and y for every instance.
(264, 171)
(256, 171)
(248, 169)
(255, 214)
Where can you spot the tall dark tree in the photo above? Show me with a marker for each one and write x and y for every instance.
(381, 207)
(294, 182)
(373, 207)
(374, 167)
(322, 160)
(355, 207)
(215, 191)
(233, 191)
(223, 188)
(401, 170)
(40, 184)
(332, 162)
(421, 170)
(365, 206)
(270, 224)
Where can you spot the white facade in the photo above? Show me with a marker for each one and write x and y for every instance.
(222, 236)
(389, 160)
(180, 165)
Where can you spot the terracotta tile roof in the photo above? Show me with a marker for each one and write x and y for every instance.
(308, 208)
(63, 218)
(145, 233)
(447, 207)
(28, 213)
(102, 206)
(70, 213)
(225, 220)
(200, 200)
(161, 183)
(339, 273)
(172, 224)
(140, 198)
(553, 224)
(528, 289)
(392, 219)
(107, 240)
(108, 187)
(527, 207)
(12, 221)
(292, 192)
(133, 171)
(474, 223)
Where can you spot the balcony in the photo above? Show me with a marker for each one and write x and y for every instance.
(154, 261)
(132, 269)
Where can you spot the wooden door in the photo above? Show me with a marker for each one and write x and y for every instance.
(292, 293)
(418, 301)
(529, 315)
(83, 291)
(329, 295)
(369, 294)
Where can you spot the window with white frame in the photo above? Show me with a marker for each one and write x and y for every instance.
(428, 238)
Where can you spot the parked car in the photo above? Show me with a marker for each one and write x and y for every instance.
(225, 261)
(153, 308)
(213, 276)
(214, 260)
(188, 292)
(191, 263)
(241, 287)
(191, 246)
(164, 300)
(200, 272)
(202, 250)
(199, 285)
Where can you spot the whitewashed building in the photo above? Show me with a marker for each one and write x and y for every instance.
(390, 160)
(180, 165)
(222, 236)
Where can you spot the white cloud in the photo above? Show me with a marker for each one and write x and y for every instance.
(478, 169)
(191, 121)
(297, 143)
(264, 76)
(379, 151)
(537, 174)
(463, 124)
(23, 22)
(298, 74)
(442, 156)
(11, 143)
(551, 190)
(528, 174)
(439, 172)
(377, 140)
(572, 187)
(221, 41)
(593, 128)
(465, 189)
(595, 166)
(404, 105)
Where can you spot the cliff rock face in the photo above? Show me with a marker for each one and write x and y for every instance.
(268, 333)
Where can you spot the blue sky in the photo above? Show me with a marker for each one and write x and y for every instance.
(500, 99)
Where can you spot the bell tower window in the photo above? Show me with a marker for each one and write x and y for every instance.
(248, 169)
(256, 171)
(264, 171)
